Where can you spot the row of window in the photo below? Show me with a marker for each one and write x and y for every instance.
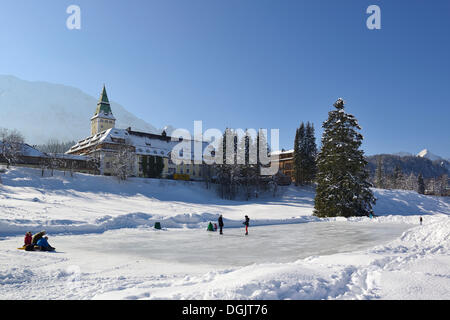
(148, 151)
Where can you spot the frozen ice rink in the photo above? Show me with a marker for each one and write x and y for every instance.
(277, 243)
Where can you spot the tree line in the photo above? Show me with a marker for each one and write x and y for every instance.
(400, 180)
(239, 171)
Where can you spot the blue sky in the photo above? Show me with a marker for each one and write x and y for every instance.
(248, 63)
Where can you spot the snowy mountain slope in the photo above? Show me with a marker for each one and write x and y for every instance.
(425, 153)
(93, 204)
(403, 154)
(409, 164)
(41, 110)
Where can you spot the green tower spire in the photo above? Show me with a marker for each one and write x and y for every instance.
(103, 105)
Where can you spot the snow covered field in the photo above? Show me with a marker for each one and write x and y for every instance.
(107, 248)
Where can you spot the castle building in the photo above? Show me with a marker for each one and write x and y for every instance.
(147, 149)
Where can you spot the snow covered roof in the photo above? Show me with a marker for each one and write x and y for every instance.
(274, 153)
(29, 151)
(144, 143)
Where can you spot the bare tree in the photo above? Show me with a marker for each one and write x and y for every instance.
(123, 163)
(11, 145)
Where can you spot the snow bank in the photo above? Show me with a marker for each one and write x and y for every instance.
(405, 202)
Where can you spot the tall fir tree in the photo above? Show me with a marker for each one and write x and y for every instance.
(397, 178)
(298, 154)
(309, 163)
(343, 187)
(421, 184)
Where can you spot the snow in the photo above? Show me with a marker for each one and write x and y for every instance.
(280, 152)
(107, 247)
(145, 144)
(28, 151)
(425, 153)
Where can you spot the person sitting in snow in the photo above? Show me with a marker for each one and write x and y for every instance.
(38, 236)
(44, 245)
(28, 238)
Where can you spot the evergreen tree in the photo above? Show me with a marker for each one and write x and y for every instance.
(305, 153)
(397, 178)
(421, 185)
(343, 187)
(298, 158)
(309, 164)
(442, 185)
(295, 167)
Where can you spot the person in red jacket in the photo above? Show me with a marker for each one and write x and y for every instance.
(247, 223)
(28, 238)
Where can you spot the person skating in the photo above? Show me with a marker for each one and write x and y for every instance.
(246, 222)
(220, 223)
(420, 220)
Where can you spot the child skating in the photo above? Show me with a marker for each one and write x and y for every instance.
(246, 222)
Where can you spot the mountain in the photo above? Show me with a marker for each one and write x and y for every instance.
(410, 164)
(425, 153)
(41, 111)
(403, 154)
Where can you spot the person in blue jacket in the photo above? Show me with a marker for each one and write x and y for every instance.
(44, 245)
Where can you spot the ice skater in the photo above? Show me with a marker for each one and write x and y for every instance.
(420, 220)
(246, 222)
(220, 223)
